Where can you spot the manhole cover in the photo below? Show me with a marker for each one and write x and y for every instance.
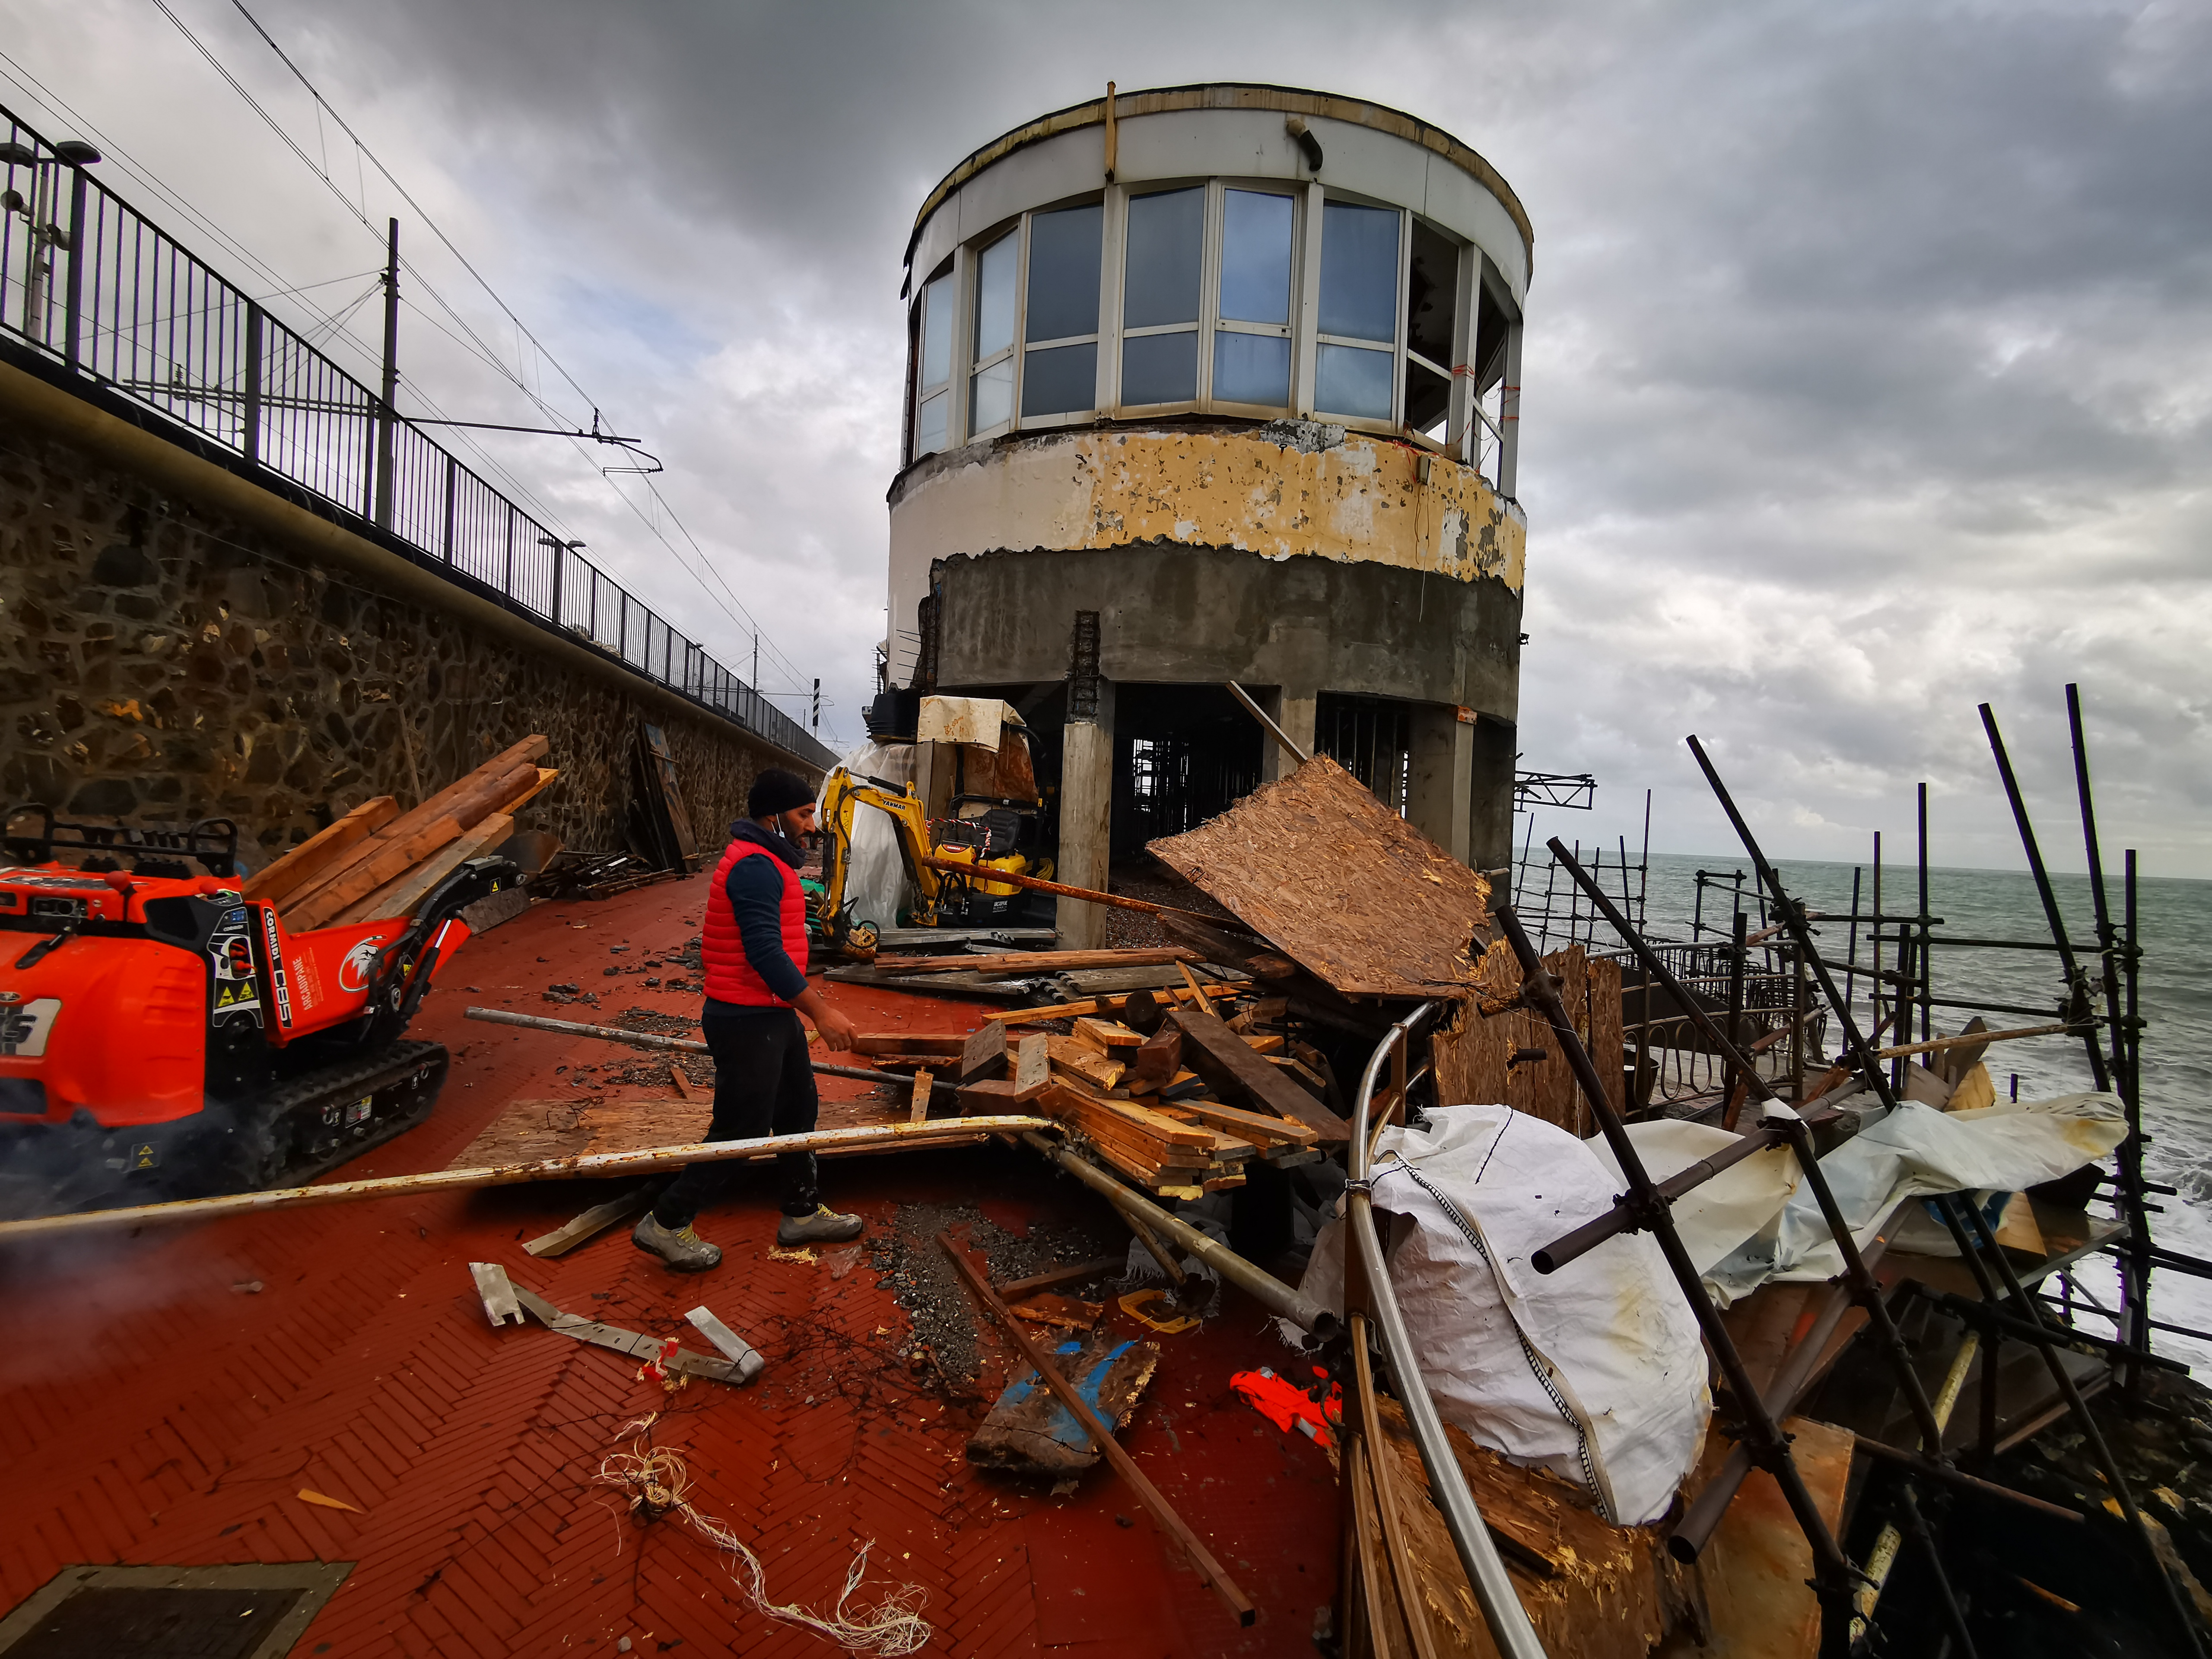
(170, 1612)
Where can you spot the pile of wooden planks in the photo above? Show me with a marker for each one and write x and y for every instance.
(1160, 1086)
(378, 861)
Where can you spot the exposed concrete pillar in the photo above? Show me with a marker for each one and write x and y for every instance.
(1440, 788)
(1086, 819)
(1295, 713)
(1491, 805)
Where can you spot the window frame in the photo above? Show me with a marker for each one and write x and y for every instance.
(1097, 339)
(1393, 421)
(1469, 426)
(1212, 322)
(918, 391)
(971, 292)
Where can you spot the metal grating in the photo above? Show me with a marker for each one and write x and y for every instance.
(171, 1613)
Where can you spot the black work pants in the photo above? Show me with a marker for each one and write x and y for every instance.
(764, 1084)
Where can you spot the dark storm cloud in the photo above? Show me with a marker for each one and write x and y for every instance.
(1869, 351)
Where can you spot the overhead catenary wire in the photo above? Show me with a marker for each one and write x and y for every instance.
(691, 557)
(363, 152)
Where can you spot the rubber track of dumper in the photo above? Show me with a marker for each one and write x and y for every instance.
(300, 1100)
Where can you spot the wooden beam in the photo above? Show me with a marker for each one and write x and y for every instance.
(321, 853)
(1209, 1569)
(1112, 1005)
(1036, 961)
(1229, 1066)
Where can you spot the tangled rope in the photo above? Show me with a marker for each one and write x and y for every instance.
(655, 1480)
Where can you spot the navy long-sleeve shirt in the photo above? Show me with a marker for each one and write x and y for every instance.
(756, 890)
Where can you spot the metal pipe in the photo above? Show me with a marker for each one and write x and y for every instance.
(679, 1045)
(1262, 716)
(1831, 1568)
(1864, 1290)
(1262, 1287)
(575, 1167)
(1501, 1612)
(1620, 1219)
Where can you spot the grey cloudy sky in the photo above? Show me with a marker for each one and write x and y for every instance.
(1869, 350)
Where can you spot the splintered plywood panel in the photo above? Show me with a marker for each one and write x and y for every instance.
(1337, 881)
(1606, 1593)
(1474, 1056)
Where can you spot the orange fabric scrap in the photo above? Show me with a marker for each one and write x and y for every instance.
(1288, 1406)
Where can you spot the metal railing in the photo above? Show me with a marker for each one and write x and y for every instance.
(90, 284)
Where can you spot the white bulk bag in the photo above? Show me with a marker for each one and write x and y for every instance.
(1594, 1372)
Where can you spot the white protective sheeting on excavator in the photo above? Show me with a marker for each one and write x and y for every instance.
(963, 720)
(1594, 1372)
(875, 876)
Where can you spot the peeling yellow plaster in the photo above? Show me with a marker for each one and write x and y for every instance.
(1361, 502)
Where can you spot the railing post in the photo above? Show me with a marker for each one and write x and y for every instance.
(507, 585)
(250, 438)
(452, 487)
(75, 296)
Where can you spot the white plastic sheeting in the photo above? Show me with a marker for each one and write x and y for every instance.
(875, 879)
(1594, 1372)
(1915, 1151)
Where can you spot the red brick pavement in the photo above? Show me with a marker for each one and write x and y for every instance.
(152, 1412)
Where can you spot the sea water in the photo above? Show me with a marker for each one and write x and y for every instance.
(2174, 999)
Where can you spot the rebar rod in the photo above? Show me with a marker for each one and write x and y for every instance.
(1865, 1291)
(2134, 1262)
(1833, 1575)
(1948, 1209)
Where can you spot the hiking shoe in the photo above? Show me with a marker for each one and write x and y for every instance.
(679, 1246)
(824, 1226)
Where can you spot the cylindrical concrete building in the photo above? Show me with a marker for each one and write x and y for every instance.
(1212, 384)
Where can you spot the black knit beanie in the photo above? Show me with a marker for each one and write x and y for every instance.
(778, 791)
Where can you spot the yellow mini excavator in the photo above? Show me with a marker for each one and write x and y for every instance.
(1000, 835)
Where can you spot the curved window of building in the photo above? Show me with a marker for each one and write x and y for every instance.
(1060, 363)
(1252, 330)
(990, 382)
(1355, 363)
(1160, 297)
(933, 372)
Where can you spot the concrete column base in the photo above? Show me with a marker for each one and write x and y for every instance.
(1295, 713)
(1439, 793)
(1490, 817)
(1086, 822)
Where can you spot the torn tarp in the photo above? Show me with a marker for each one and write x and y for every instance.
(1595, 1372)
(1916, 1151)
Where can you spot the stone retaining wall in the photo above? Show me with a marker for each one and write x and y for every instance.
(161, 661)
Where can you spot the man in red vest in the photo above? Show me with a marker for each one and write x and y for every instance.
(754, 946)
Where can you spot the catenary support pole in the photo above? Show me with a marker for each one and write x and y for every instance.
(385, 446)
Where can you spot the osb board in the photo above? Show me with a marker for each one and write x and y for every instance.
(1335, 880)
(531, 1129)
(1612, 1592)
(1029, 1432)
(1755, 1570)
(1470, 1052)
